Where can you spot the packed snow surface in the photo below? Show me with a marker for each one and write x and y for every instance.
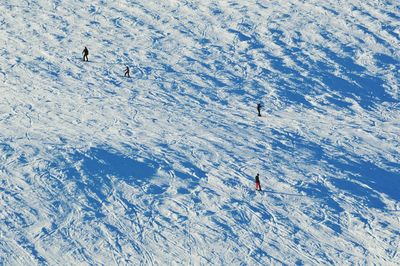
(158, 169)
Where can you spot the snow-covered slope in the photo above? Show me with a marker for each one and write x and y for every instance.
(98, 169)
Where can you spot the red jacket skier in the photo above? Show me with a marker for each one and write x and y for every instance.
(258, 185)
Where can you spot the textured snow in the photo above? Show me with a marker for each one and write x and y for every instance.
(98, 169)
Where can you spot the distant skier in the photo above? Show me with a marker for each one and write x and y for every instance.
(85, 54)
(258, 185)
(259, 109)
(126, 74)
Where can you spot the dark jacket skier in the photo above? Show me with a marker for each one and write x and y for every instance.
(85, 54)
(126, 74)
(259, 109)
(258, 185)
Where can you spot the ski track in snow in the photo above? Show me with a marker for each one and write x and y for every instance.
(97, 169)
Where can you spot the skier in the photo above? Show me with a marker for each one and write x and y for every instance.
(127, 72)
(85, 54)
(259, 109)
(258, 185)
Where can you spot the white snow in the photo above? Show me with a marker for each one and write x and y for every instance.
(98, 169)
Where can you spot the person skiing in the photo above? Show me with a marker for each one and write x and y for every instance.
(126, 74)
(258, 185)
(259, 109)
(85, 54)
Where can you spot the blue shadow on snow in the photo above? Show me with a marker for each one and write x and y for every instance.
(363, 179)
